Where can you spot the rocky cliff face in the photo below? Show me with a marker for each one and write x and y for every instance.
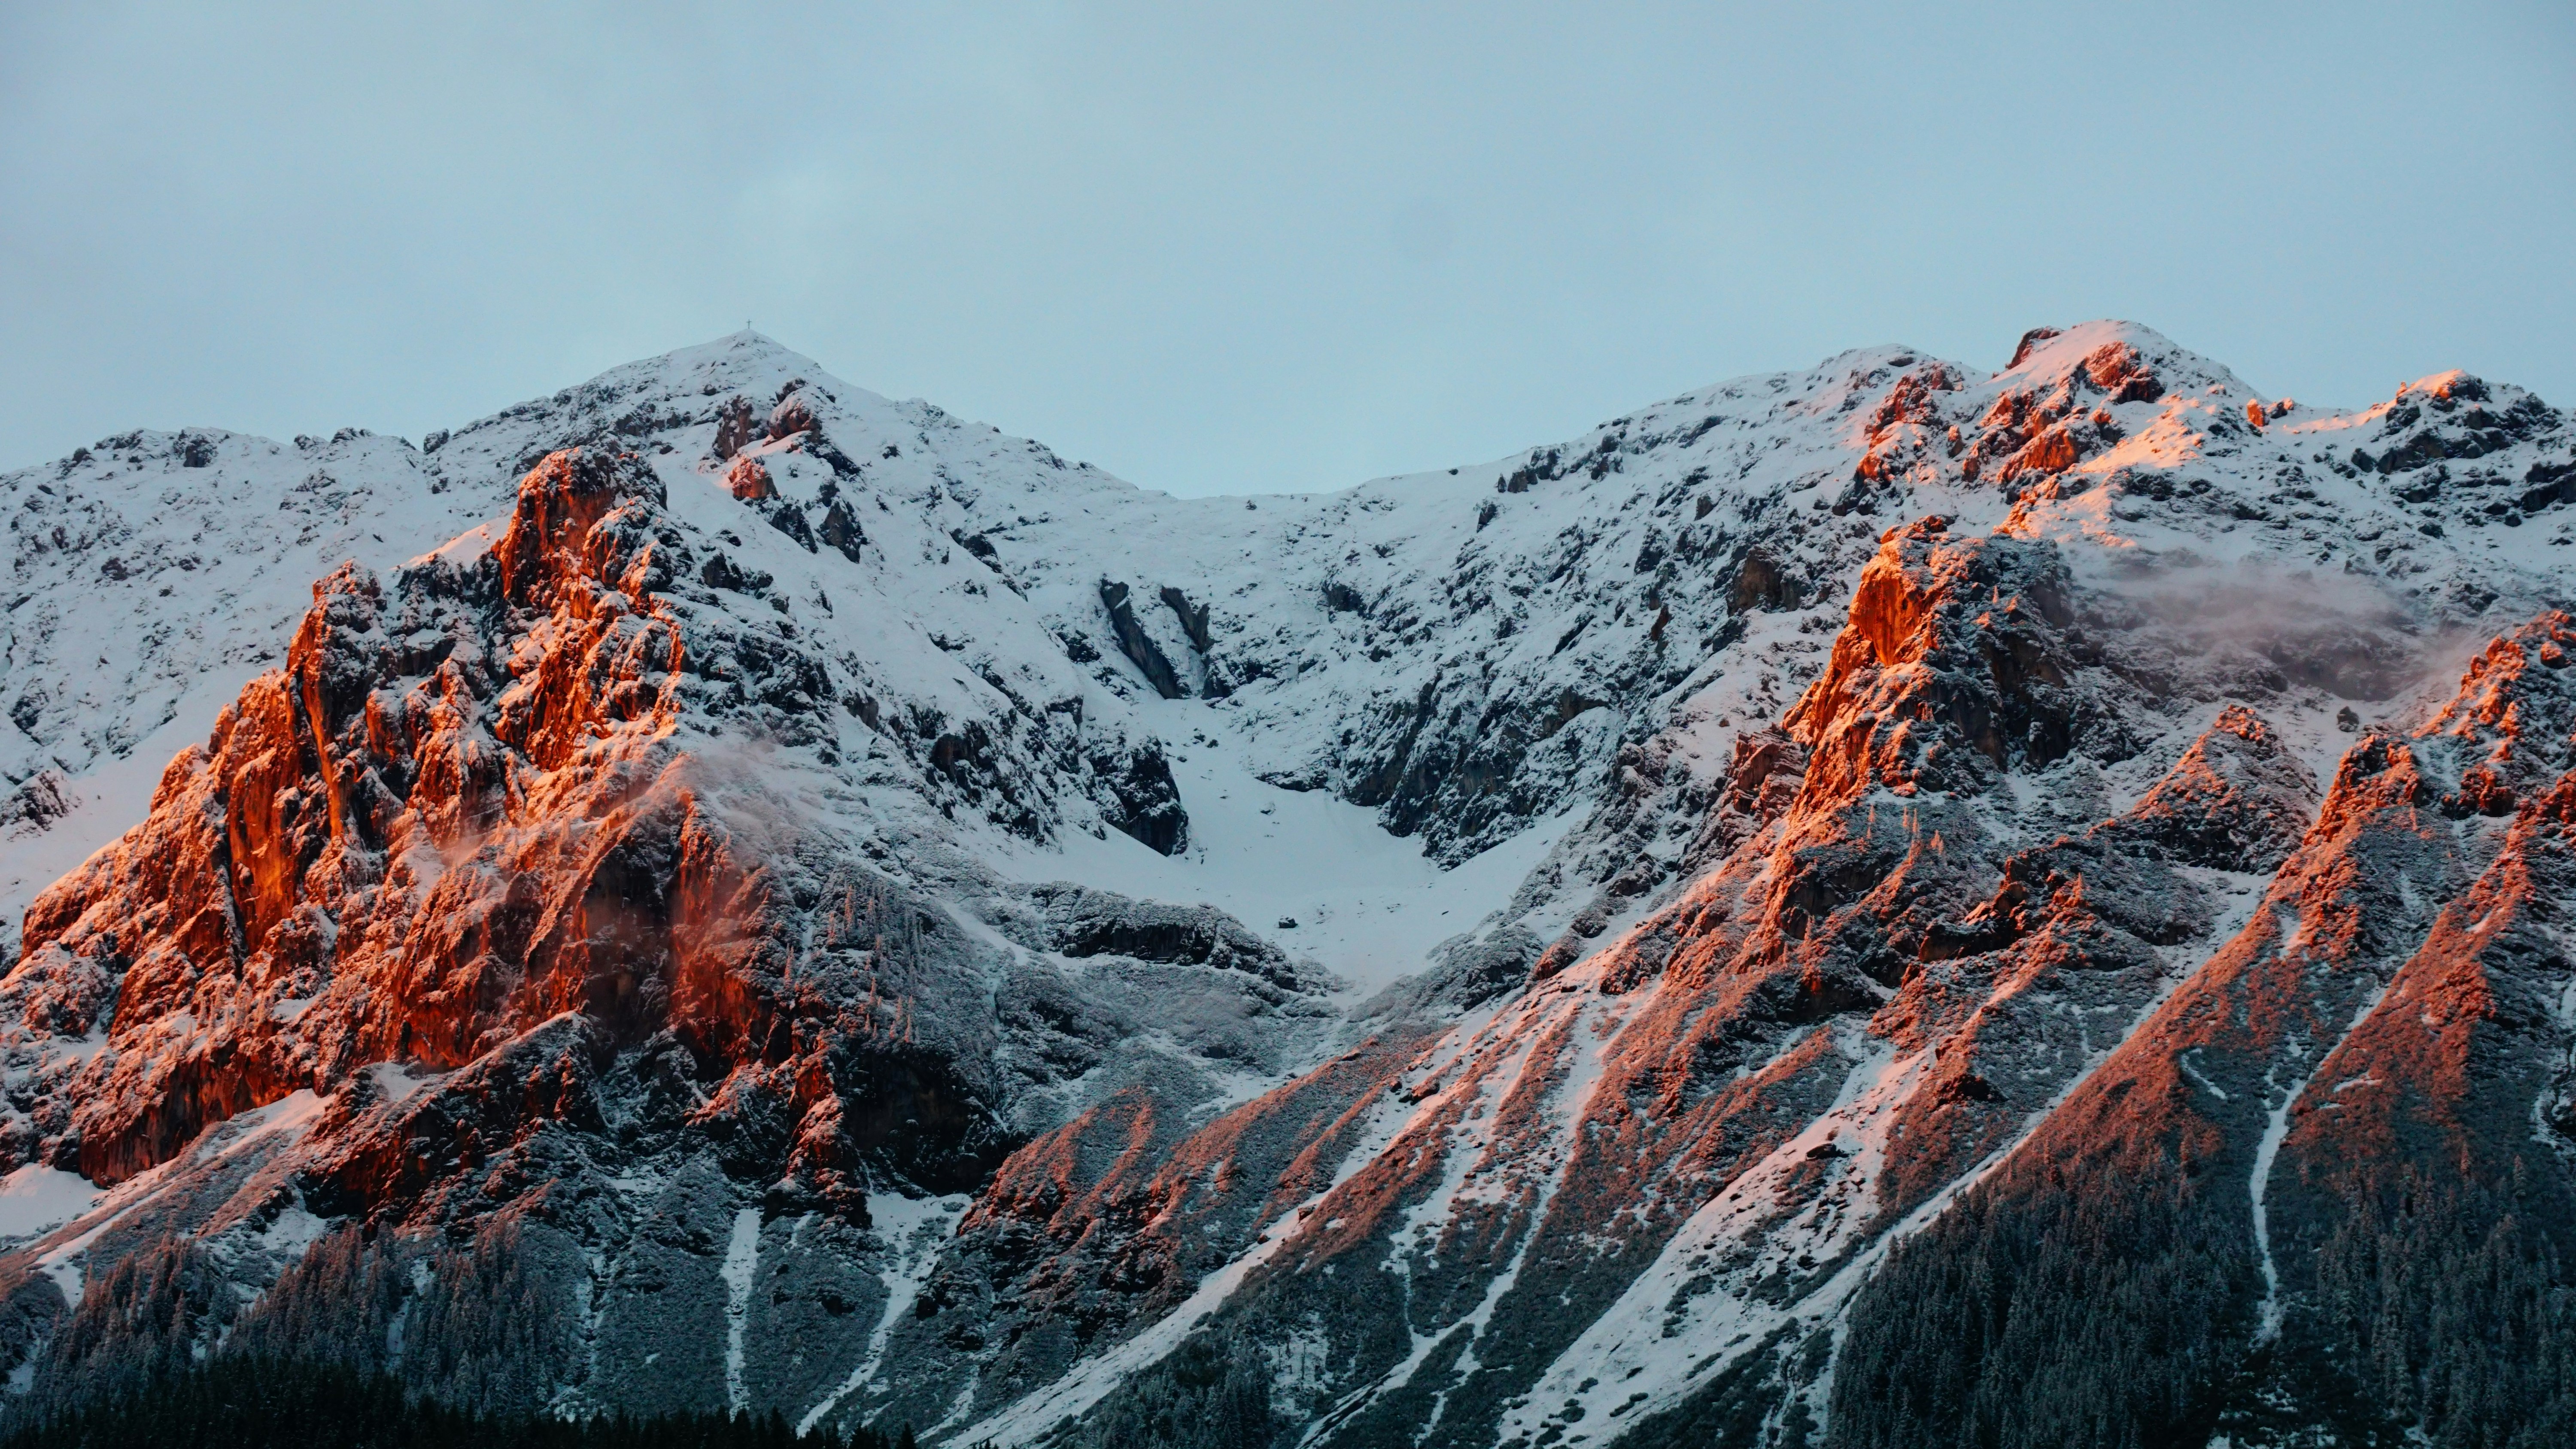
(1869, 905)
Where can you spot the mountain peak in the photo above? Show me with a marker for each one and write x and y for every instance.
(2047, 356)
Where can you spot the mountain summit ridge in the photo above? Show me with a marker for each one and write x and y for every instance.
(1721, 928)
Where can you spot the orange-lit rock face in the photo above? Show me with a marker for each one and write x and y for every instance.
(2417, 1080)
(2029, 434)
(2053, 451)
(401, 847)
(2512, 717)
(2116, 369)
(1900, 431)
(749, 481)
(1948, 633)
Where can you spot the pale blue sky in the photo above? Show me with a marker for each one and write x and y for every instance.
(1216, 248)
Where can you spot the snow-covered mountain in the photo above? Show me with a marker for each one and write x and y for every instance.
(1887, 904)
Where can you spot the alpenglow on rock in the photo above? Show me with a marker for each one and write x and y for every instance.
(1883, 905)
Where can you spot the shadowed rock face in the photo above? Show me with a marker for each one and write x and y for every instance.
(1996, 985)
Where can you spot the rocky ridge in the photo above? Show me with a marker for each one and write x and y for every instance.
(774, 910)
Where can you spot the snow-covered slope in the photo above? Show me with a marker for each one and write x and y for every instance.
(1520, 953)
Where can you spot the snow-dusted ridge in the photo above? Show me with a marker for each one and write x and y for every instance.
(1512, 954)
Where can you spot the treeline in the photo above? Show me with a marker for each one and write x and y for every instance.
(2079, 1313)
(1213, 1392)
(2069, 1305)
(236, 1402)
(2443, 1314)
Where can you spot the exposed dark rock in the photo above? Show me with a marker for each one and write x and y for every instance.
(733, 427)
(841, 530)
(1137, 645)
